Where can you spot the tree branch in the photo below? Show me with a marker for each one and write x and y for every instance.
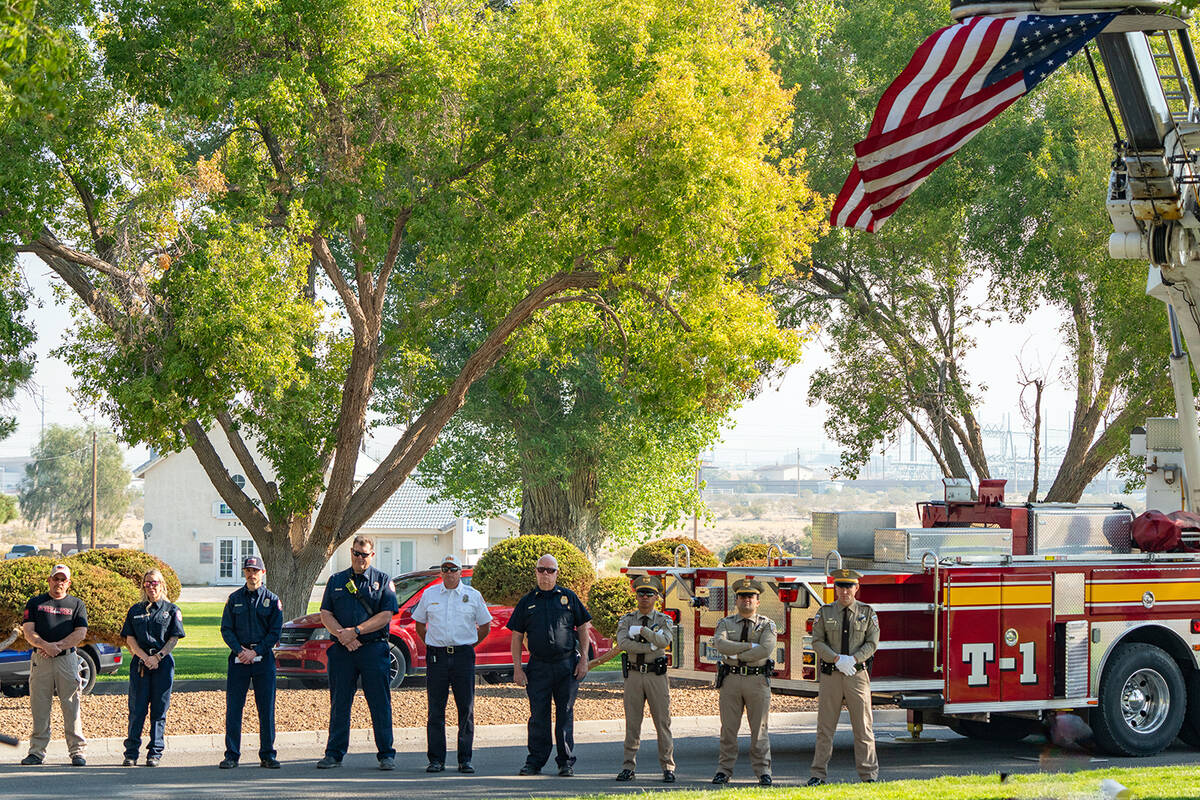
(423, 432)
(254, 474)
(237, 500)
(320, 248)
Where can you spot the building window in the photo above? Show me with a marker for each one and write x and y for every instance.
(240, 480)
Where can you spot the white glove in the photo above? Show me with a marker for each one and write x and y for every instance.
(635, 630)
(845, 665)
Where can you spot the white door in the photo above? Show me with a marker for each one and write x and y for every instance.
(231, 551)
(227, 571)
(385, 559)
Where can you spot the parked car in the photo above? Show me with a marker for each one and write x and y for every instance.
(95, 659)
(20, 551)
(301, 652)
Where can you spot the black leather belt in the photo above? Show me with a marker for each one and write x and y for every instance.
(642, 668)
(64, 652)
(450, 648)
(748, 670)
(828, 667)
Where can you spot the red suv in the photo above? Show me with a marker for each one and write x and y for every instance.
(302, 645)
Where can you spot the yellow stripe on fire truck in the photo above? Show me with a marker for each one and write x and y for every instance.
(1135, 591)
(961, 596)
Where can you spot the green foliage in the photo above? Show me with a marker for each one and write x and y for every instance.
(505, 571)
(58, 481)
(8, 508)
(661, 553)
(607, 601)
(1014, 222)
(750, 554)
(106, 595)
(131, 564)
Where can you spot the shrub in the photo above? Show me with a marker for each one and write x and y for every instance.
(8, 508)
(609, 599)
(132, 564)
(748, 554)
(660, 553)
(106, 594)
(505, 572)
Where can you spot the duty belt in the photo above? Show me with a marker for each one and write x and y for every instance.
(747, 670)
(64, 652)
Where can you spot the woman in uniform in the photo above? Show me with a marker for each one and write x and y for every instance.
(152, 629)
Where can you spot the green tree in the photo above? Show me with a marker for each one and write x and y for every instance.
(243, 193)
(1014, 221)
(599, 438)
(57, 487)
(9, 510)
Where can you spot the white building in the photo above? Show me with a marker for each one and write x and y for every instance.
(188, 526)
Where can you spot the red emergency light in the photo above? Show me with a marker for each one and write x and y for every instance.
(1196, 626)
(789, 593)
(808, 625)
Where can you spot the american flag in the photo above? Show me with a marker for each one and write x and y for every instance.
(958, 80)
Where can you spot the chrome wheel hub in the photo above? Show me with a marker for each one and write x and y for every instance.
(1145, 700)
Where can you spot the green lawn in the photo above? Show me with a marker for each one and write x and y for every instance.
(201, 654)
(1151, 783)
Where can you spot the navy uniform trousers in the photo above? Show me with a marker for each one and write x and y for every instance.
(149, 690)
(370, 662)
(552, 681)
(241, 676)
(450, 672)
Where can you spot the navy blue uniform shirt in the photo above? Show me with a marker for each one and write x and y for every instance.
(153, 624)
(342, 595)
(549, 619)
(252, 619)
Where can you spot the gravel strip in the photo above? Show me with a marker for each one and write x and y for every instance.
(306, 710)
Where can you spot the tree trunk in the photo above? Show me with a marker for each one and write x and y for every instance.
(79, 535)
(572, 513)
(291, 574)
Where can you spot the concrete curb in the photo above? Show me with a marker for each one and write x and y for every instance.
(412, 740)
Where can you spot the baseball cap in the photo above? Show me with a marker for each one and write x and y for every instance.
(252, 562)
(449, 558)
(61, 568)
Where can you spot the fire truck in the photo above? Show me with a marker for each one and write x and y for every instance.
(994, 618)
(998, 618)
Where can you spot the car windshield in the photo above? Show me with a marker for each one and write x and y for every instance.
(408, 585)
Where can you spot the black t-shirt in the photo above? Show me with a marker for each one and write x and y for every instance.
(54, 620)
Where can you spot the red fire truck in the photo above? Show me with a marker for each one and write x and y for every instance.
(994, 618)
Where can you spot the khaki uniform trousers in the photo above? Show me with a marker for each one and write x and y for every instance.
(46, 676)
(855, 692)
(642, 688)
(749, 692)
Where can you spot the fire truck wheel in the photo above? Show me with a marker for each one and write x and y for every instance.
(1190, 731)
(997, 729)
(1142, 702)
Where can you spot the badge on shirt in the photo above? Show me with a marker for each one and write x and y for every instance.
(563, 599)
(466, 599)
(375, 586)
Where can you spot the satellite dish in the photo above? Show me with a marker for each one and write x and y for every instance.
(146, 528)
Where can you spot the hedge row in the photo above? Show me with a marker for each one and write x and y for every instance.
(505, 571)
(749, 554)
(106, 594)
(610, 599)
(132, 564)
(661, 553)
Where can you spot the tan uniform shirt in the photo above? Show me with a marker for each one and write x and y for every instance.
(651, 642)
(864, 632)
(755, 651)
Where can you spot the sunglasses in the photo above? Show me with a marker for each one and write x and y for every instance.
(151, 583)
(59, 578)
(449, 569)
(360, 555)
(647, 593)
(547, 570)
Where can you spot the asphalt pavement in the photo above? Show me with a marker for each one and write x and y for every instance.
(189, 768)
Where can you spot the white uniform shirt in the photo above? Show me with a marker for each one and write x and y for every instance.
(451, 616)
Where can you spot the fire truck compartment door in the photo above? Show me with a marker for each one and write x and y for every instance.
(999, 630)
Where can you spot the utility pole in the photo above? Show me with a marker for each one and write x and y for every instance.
(696, 511)
(93, 540)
